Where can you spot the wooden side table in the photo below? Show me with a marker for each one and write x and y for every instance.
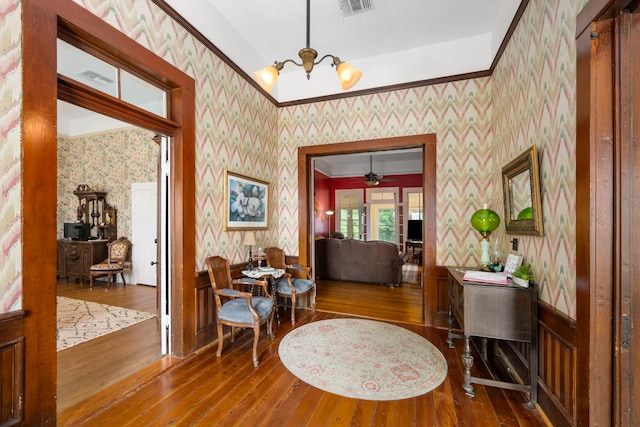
(496, 312)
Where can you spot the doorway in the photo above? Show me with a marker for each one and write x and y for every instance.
(427, 144)
(42, 23)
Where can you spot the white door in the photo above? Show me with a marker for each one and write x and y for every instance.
(144, 220)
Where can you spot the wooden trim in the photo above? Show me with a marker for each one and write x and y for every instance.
(305, 206)
(39, 178)
(557, 394)
(81, 95)
(389, 88)
(597, 10)
(428, 82)
(42, 20)
(512, 27)
(594, 227)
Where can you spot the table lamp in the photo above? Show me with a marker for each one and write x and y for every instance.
(249, 240)
(485, 221)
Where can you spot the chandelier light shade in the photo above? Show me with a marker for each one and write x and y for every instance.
(347, 74)
(485, 221)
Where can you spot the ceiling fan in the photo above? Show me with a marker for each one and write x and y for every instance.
(371, 178)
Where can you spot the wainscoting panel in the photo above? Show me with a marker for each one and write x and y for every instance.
(442, 297)
(11, 368)
(557, 373)
(556, 364)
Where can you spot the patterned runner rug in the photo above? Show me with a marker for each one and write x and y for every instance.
(80, 321)
(363, 359)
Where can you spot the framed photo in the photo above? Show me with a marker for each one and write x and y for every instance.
(246, 202)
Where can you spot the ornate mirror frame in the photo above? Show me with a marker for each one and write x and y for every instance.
(521, 193)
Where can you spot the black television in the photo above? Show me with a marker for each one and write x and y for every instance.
(414, 230)
(77, 230)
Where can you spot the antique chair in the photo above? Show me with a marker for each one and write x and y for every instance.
(296, 282)
(238, 308)
(114, 264)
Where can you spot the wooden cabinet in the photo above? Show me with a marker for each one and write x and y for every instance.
(495, 312)
(76, 257)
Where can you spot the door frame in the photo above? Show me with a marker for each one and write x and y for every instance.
(427, 142)
(41, 22)
(604, 225)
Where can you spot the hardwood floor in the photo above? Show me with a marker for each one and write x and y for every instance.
(89, 367)
(401, 304)
(205, 390)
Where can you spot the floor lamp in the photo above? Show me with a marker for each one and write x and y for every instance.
(329, 214)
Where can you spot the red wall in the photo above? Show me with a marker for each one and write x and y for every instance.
(324, 198)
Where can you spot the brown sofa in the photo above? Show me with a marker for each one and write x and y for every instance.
(359, 261)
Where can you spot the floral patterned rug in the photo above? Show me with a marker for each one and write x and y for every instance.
(363, 359)
(80, 321)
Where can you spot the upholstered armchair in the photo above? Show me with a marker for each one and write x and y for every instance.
(237, 308)
(114, 264)
(296, 282)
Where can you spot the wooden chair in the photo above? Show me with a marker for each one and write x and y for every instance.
(237, 308)
(114, 264)
(296, 282)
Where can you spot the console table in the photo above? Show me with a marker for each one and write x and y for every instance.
(76, 257)
(500, 312)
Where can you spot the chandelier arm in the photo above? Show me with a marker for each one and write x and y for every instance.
(325, 57)
(280, 65)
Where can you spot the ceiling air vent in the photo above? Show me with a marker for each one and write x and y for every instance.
(96, 77)
(355, 7)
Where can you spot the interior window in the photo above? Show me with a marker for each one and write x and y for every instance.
(87, 69)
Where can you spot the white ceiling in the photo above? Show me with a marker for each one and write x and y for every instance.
(394, 42)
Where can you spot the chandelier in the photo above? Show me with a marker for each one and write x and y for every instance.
(347, 74)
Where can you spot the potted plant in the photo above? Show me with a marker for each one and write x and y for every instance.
(523, 275)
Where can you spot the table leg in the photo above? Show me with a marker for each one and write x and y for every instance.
(276, 305)
(467, 362)
(450, 330)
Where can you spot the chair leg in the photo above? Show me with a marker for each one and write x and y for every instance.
(256, 335)
(90, 281)
(220, 339)
(108, 281)
(124, 282)
(293, 309)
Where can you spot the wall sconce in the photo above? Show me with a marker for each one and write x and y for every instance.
(485, 221)
(329, 214)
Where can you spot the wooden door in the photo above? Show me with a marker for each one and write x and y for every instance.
(144, 210)
(627, 268)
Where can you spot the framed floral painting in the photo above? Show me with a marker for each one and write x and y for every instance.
(246, 202)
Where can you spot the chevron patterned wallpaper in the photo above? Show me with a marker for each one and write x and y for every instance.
(480, 125)
(534, 103)
(10, 200)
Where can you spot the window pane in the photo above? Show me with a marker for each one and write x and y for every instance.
(387, 225)
(142, 94)
(415, 205)
(87, 69)
(100, 75)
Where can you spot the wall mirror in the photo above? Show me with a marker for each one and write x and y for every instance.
(521, 188)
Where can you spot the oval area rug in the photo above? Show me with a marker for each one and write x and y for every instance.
(363, 359)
